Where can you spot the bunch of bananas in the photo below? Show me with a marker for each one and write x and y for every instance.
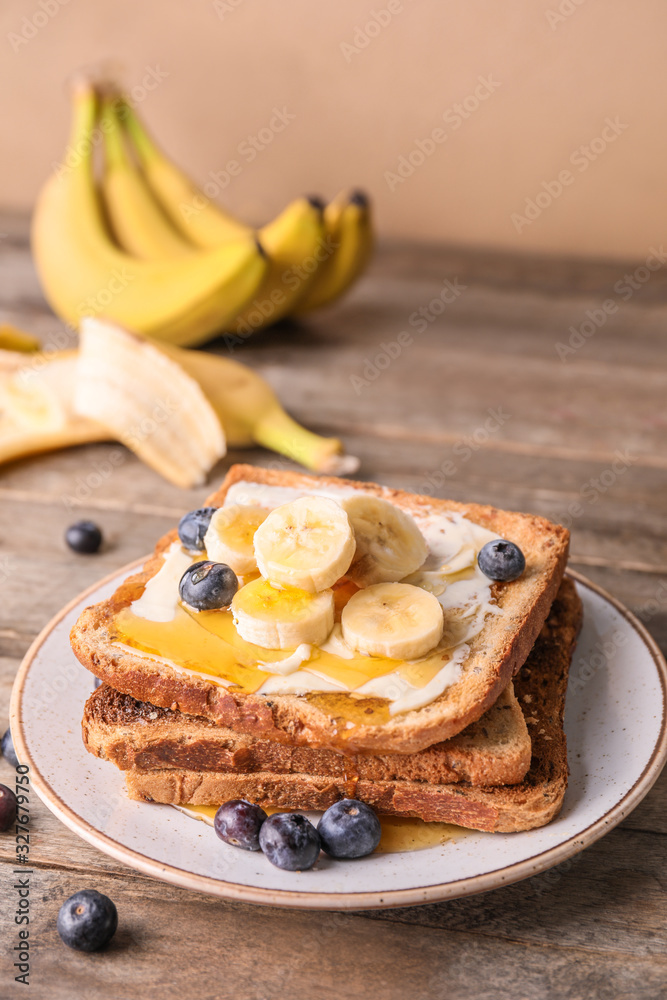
(130, 247)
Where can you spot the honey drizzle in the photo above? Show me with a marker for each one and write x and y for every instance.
(399, 833)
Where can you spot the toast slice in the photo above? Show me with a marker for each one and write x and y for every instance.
(540, 688)
(495, 750)
(323, 719)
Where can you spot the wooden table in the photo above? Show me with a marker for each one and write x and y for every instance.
(478, 405)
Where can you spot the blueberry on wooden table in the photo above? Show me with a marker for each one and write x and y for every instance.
(87, 920)
(84, 537)
(7, 747)
(8, 806)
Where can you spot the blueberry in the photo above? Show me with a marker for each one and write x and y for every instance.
(84, 537)
(290, 841)
(501, 560)
(193, 526)
(7, 808)
(7, 747)
(87, 920)
(349, 829)
(208, 585)
(238, 822)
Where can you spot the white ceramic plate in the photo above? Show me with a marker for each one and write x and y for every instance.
(617, 743)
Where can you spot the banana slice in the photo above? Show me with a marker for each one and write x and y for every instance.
(230, 534)
(307, 543)
(282, 619)
(389, 545)
(392, 619)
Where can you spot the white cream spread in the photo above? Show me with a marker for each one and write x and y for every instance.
(453, 544)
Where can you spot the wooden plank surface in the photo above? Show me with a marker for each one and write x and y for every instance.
(479, 405)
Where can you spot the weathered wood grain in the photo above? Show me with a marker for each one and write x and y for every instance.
(593, 927)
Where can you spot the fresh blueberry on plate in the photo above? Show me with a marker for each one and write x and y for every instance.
(87, 920)
(501, 560)
(349, 829)
(84, 537)
(8, 805)
(207, 586)
(193, 526)
(238, 822)
(290, 841)
(7, 747)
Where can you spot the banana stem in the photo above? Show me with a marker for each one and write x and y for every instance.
(144, 145)
(114, 147)
(279, 432)
(84, 102)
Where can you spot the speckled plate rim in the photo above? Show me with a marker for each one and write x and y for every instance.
(344, 900)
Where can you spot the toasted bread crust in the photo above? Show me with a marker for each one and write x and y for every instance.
(495, 750)
(541, 686)
(497, 653)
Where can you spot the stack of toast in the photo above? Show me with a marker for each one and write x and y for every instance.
(488, 752)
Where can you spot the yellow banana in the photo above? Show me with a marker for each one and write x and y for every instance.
(137, 221)
(183, 300)
(324, 270)
(294, 243)
(12, 339)
(349, 239)
(203, 223)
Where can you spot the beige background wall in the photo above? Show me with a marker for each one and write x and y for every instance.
(556, 70)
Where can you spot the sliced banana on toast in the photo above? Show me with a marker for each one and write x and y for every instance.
(282, 619)
(389, 545)
(230, 535)
(307, 544)
(395, 620)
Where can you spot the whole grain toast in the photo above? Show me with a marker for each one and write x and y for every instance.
(495, 750)
(540, 688)
(311, 719)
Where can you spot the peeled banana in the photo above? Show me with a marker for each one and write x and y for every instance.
(148, 402)
(307, 544)
(229, 538)
(282, 618)
(389, 545)
(395, 620)
(178, 300)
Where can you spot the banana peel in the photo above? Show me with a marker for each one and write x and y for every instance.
(177, 409)
(36, 408)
